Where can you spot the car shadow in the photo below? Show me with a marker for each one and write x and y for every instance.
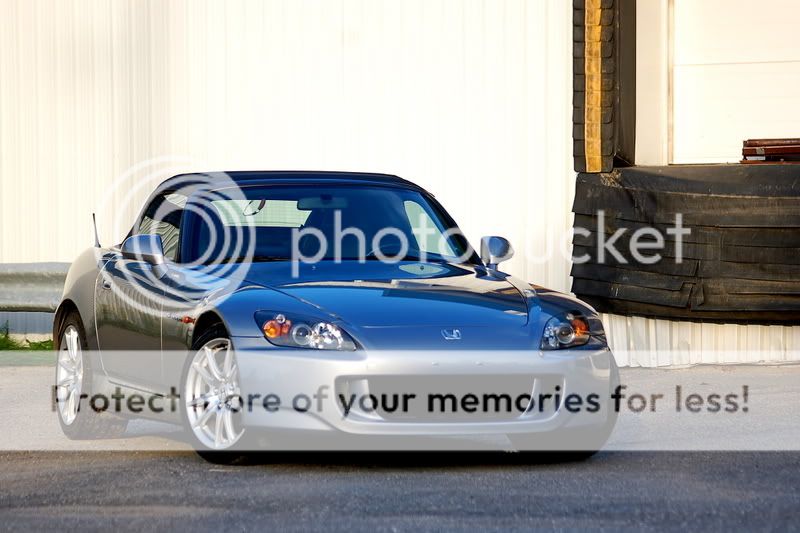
(405, 460)
(442, 453)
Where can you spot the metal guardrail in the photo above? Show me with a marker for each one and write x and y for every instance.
(31, 286)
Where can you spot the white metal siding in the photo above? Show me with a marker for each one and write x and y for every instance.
(470, 99)
(646, 342)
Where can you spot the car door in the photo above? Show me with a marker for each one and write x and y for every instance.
(129, 301)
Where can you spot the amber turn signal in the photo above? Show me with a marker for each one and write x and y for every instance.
(277, 328)
(580, 326)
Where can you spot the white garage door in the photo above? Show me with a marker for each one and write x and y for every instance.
(736, 76)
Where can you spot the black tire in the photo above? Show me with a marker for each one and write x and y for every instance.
(224, 457)
(548, 447)
(87, 423)
(538, 447)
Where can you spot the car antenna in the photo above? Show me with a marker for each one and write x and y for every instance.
(96, 238)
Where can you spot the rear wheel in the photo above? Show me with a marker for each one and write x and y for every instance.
(74, 388)
(212, 402)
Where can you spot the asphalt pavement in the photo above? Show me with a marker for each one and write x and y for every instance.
(147, 481)
(696, 491)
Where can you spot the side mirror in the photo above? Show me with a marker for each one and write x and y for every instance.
(147, 248)
(495, 250)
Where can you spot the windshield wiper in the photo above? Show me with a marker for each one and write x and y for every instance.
(256, 259)
(428, 259)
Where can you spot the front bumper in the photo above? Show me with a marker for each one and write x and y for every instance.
(312, 388)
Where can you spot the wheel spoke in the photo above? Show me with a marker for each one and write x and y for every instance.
(218, 430)
(227, 366)
(228, 421)
(65, 382)
(66, 365)
(232, 375)
(210, 381)
(212, 364)
(72, 344)
(200, 422)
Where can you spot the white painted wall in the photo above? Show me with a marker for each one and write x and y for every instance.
(736, 73)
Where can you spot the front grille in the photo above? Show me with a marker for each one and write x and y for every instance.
(445, 399)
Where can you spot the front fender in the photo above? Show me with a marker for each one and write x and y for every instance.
(79, 294)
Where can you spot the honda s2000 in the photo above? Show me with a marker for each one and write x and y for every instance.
(312, 308)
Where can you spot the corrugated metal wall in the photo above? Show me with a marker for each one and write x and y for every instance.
(470, 99)
(646, 342)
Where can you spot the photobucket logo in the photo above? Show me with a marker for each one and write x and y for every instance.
(389, 244)
(167, 287)
(644, 245)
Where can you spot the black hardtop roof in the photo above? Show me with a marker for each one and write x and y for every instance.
(251, 177)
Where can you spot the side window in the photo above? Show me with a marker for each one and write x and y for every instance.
(163, 217)
(426, 231)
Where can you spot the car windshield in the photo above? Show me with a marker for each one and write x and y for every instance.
(321, 223)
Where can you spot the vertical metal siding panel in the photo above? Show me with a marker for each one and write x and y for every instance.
(688, 343)
(24, 169)
(617, 330)
(681, 343)
(80, 128)
(121, 98)
(559, 98)
(6, 52)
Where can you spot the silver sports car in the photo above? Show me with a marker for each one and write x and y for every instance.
(311, 309)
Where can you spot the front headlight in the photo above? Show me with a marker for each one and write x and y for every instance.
(294, 331)
(569, 330)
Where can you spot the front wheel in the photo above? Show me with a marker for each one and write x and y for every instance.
(571, 444)
(532, 447)
(212, 403)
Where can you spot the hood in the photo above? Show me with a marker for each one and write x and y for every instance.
(375, 294)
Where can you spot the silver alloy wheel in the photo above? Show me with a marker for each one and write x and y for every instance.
(212, 395)
(69, 375)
